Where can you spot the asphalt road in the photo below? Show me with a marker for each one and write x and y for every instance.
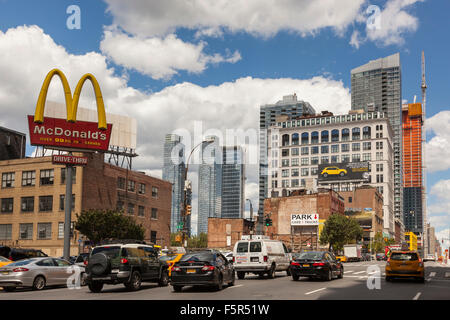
(354, 286)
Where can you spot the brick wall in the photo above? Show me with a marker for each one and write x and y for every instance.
(219, 229)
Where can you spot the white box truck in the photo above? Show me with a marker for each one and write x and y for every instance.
(353, 252)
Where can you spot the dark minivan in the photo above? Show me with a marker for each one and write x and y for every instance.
(203, 268)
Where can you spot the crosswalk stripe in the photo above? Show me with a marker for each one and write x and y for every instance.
(360, 272)
(349, 271)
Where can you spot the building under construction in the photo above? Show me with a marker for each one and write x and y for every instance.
(412, 122)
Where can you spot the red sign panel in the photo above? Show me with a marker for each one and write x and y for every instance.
(59, 133)
(67, 159)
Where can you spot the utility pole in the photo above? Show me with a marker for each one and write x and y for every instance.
(251, 218)
(67, 211)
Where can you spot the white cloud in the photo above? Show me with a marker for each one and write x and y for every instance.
(437, 150)
(439, 210)
(160, 58)
(394, 23)
(258, 17)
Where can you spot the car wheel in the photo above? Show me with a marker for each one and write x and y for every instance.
(271, 273)
(177, 288)
(325, 175)
(295, 277)
(341, 174)
(329, 275)
(219, 286)
(164, 280)
(83, 279)
(9, 289)
(95, 286)
(39, 283)
(341, 274)
(240, 275)
(135, 281)
(388, 279)
(233, 278)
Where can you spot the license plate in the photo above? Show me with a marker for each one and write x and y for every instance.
(306, 265)
(190, 271)
(254, 259)
(115, 270)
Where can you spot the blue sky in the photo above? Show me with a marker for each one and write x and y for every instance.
(156, 58)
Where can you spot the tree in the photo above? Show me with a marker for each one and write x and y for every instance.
(339, 230)
(99, 225)
(379, 242)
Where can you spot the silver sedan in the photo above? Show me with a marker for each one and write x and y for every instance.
(38, 273)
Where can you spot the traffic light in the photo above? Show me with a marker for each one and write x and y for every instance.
(268, 222)
(188, 210)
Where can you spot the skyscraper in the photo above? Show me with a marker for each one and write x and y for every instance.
(173, 171)
(209, 183)
(412, 167)
(377, 86)
(291, 107)
(233, 182)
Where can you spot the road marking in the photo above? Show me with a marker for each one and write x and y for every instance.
(349, 271)
(360, 272)
(416, 297)
(315, 291)
(432, 274)
(239, 285)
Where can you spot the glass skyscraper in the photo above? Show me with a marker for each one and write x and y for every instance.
(209, 183)
(291, 107)
(233, 182)
(173, 171)
(377, 86)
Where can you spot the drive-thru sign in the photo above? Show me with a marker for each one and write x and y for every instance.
(310, 219)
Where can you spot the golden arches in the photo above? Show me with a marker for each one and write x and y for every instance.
(71, 102)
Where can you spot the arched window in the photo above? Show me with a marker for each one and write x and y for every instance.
(367, 134)
(295, 139)
(335, 135)
(314, 137)
(345, 134)
(285, 140)
(356, 133)
(305, 138)
(324, 136)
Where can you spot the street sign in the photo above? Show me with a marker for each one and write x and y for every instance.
(311, 219)
(68, 159)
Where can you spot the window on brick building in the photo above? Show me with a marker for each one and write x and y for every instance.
(153, 236)
(28, 178)
(47, 177)
(154, 214)
(141, 212)
(8, 179)
(154, 192)
(45, 203)
(44, 231)
(131, 186)
(5, 231)
(26, 231)
(62, 201)
(27, 204)
(141, 188)
(130, 208)
(7, 205)
(121, 183)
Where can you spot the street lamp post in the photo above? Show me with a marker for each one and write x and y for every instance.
(184, 204)
(251, 218)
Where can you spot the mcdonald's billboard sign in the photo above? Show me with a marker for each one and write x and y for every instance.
(69, 134)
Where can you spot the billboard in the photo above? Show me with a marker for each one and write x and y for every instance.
(344, 171)
(70, 134)
(311, 219)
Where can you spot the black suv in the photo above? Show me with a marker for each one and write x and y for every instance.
(129, 264)
(15, 254)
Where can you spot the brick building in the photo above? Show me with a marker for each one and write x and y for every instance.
(32, 201)
(224, 232)
(324, 203)
(12, 144)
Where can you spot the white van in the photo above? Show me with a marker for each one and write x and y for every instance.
(260, 255)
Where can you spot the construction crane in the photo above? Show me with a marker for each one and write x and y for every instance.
(424, 171)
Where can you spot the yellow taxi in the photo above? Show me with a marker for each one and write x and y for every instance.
(171, 259)
(333, 171)
(405, 264)
(342, 258)
(4, 261)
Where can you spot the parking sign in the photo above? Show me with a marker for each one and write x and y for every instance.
(310, 219)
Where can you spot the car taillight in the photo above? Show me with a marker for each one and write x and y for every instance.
(20, 269)
(266, 258)
(123, 260)
(234, 260)
(176, 269)
(293, 263)
(208, 268)
(318, 264)
(85, 262)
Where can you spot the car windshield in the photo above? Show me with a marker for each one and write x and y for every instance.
(198, 256)
(21, 263)
(310, 256)
(404, 256)
(3, 259)
(167, 257)
(112, 252)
